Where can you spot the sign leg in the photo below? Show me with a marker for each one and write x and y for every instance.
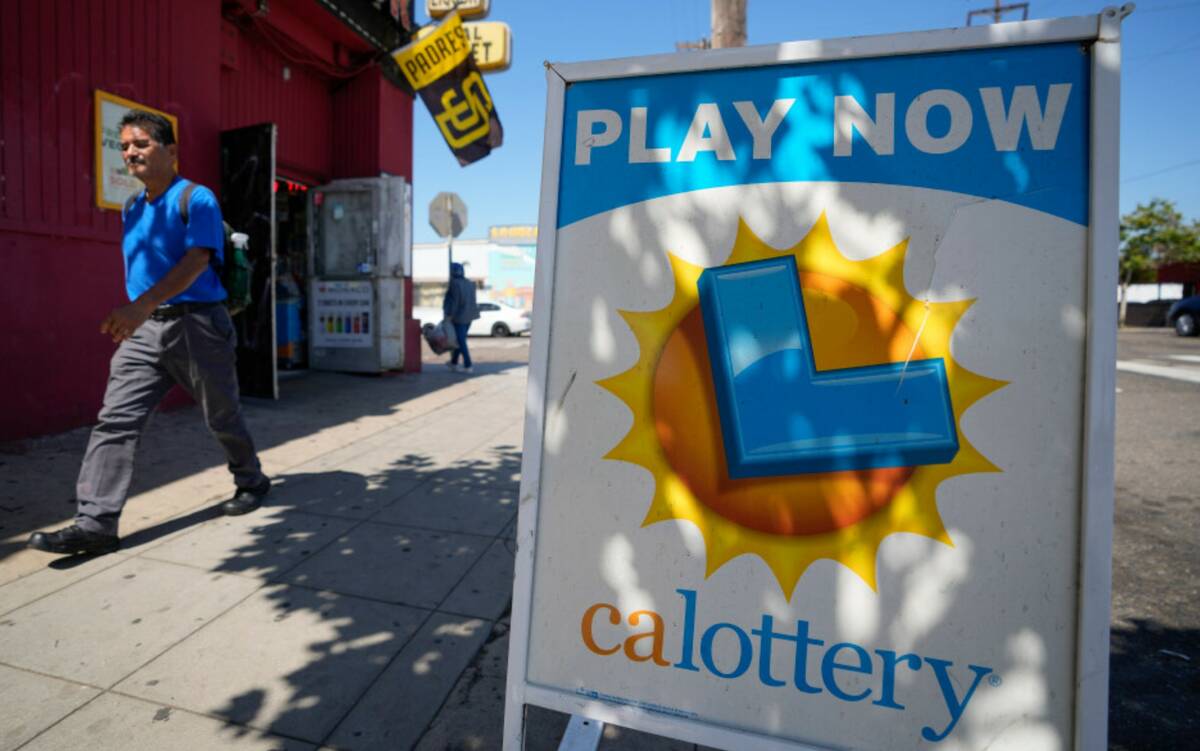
(582, 734)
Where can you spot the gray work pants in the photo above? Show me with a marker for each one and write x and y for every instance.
(195, 351)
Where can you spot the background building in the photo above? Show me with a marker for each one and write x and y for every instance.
(501, 266)
(317, 70)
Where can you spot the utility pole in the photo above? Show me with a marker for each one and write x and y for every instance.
(996, 11)
(728, 27)
(728, 23)
(448, 203)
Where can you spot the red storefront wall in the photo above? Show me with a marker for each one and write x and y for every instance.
(62, 269)
(330, 125)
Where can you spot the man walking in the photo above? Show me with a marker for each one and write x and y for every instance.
(460, 309)
(174, 330)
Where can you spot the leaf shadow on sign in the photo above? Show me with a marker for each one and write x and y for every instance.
(923, 604)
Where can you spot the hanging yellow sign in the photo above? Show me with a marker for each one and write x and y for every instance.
(491, 43)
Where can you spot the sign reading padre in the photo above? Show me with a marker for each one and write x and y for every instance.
(819, 443)
(440, 68)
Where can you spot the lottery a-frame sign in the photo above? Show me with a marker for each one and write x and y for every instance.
(819, 434)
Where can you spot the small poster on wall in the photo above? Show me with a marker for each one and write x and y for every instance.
(114, 184)
(343, 314)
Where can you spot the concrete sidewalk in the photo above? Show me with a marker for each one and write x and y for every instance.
(365, 606)
(343, 614)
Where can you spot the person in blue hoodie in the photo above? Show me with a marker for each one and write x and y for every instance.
(459, 307)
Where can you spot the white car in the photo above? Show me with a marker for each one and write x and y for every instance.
(495, 319)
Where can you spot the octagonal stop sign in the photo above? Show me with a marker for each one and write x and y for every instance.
(447, 215)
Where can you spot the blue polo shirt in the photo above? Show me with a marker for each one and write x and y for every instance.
(156, 239)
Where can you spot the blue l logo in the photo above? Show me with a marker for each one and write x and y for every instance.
(781, 416)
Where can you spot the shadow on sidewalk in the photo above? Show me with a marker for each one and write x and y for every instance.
(1153, 685)
(39, 474)
(145, 536)
(349, 614)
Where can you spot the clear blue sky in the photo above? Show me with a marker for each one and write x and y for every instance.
(1160, 85)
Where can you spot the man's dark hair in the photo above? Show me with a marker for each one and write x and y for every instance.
(158, 127)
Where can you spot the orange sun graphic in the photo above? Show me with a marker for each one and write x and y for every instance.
(859, 314)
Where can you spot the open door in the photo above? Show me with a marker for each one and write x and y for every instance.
(248, 205)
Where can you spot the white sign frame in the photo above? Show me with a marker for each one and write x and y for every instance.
(1096, 514)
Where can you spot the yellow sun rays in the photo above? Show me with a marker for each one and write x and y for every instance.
(927, 328)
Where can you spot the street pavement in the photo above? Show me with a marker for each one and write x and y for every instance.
(366, 605)
(1155, 656)
(1158, 352)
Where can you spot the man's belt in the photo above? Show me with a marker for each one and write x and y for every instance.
(180, 309)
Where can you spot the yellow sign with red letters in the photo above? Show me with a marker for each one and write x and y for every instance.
(491, 43)
(114, 184)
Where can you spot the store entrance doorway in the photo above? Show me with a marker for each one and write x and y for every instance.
(292, 306)
(248, 205)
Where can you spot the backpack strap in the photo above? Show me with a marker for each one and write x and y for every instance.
(129, 203)
(184, 199)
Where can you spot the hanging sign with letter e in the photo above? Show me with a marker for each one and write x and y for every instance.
(441, 69)
(819, 426)
(491, 43)
(465, 8)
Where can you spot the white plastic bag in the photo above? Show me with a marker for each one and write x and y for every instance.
(451, 337)
(441, 337)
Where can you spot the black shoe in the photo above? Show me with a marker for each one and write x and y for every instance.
(73, 540)
(246, 499)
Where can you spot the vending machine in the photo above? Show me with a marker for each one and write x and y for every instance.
(360, 251)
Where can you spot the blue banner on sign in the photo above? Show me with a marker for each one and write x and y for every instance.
(1003, 123)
